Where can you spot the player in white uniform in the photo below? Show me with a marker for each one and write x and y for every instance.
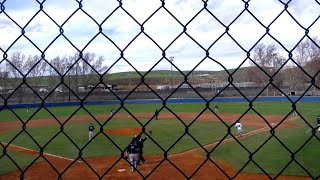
(294, 113)
(239, 127)
(216, 109)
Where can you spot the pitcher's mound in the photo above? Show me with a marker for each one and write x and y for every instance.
(124, 131)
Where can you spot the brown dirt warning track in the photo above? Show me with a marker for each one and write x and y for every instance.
(188, 162)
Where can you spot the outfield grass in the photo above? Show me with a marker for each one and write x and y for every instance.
(8, 165)
(277, 108)
(273, 156)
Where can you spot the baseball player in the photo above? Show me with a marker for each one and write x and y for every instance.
(111, 112)
(91, 129)
(216, 109)
(239, 127)
(156, 113)
(294, 113)
(134, 138)
(131, 152)
(140, 142)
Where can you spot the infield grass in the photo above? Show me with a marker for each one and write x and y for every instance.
(165, 132)
(8, 164)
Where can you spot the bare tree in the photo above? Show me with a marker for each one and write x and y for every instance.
(16, 69)
(58, 65)
(307, 56)
(301, 57)
(266, 61)
(313, 64)
(87, 68)
(37, 68)
(15, 65)
(266, 58)
(4, 75)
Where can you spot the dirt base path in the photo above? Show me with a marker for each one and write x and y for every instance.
(248, 119)
(161, 167)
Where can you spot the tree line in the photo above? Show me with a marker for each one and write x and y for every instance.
(299, 68)
(74, 70)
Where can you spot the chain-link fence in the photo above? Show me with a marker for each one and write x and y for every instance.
(79, 77)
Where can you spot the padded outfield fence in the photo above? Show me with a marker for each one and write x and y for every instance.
(270, 79)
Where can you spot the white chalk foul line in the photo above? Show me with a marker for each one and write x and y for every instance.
(47, 154)
(226, 140)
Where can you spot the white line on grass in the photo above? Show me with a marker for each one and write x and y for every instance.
(215, 143)
(226, 140)
(47, 154)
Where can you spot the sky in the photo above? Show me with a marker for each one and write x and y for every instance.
(161, 31)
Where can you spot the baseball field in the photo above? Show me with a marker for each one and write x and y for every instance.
(187, 141)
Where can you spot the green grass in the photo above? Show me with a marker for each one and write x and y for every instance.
(7, 165)
(273, 157)
(165, 133)
(153, 74)
(278, 108)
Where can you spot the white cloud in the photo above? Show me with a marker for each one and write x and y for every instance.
(161, 27)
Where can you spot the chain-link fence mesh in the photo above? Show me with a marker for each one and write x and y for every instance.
(268, 77)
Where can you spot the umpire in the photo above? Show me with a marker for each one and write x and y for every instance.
(140, 142)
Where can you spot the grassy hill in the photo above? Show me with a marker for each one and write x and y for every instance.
(133, 78)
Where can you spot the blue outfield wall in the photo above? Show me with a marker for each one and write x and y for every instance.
(175, 100)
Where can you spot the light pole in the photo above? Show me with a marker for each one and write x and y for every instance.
(214, 85)
(171, 60)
